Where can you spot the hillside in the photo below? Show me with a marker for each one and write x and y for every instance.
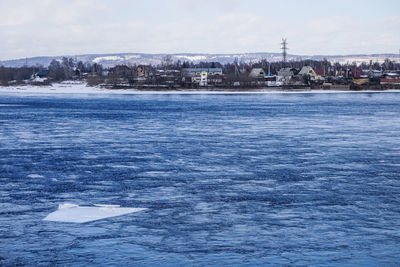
(109, 60)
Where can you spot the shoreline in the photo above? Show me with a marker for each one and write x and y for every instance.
(82, 88)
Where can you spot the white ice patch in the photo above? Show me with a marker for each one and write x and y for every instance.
(35, 175)
(11, 105)
(77, 214)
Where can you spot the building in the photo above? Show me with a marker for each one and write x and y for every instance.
(390, 78)
(215, 79)
(167, 78)
(198, 71)
(356, 72)
(143, 71)
(257, 73)
(307, 70)
(199, 76)
(203, 78)
(287, 72)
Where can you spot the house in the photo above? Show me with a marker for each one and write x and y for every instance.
(287, 72)
(38, 78)
(356, 72)
(257, 73)
(198, 71)
(373, 73)
(307, 70)
(390, 78)
(215, 79)
(203, 78)
(199, 75)
(272, 81)
(143, 71)
(42, 74)
(167, 78)
(320, 71)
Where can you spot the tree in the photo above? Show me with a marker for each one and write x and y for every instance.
(185, 65)
(68, 67)
(388, 65)
(376, 66)
(166, 61)
(56, 71)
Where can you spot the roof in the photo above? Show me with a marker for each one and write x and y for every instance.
(286, 72)
(257, 72)
(307, 70)
(287, 69)
(202, 70)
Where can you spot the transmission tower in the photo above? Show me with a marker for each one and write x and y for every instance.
(284, 51)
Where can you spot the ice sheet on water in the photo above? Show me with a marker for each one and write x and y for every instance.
(80, 214)
(33, 175)
(12, 105)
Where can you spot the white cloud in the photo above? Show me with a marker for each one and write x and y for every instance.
(46, 27)
(48, 12)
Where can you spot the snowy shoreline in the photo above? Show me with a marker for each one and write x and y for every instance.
(82, 88)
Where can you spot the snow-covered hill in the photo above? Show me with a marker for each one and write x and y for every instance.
(109, 60)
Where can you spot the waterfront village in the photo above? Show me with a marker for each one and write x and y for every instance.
(169, 75)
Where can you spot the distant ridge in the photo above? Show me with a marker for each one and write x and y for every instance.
(110, 60)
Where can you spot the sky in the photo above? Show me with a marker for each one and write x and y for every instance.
(71, 27)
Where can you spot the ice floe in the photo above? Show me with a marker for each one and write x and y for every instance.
(33, 175)
(12, 105)
(80, 214)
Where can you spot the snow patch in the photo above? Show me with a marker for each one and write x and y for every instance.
(73, 213)
(39, 80)
(72, 82)
(100, 59)
(192, 58)
(81, 88)
(132, 57)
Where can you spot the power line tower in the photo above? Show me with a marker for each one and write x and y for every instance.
(284, 51)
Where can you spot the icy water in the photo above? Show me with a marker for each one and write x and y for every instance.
(258, 179)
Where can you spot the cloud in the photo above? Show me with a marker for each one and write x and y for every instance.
(209, 5)
(32, 28)
(61, 12)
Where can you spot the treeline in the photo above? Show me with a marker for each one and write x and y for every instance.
(68, 69)
(8, 74)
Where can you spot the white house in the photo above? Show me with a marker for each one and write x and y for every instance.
(200, 75)
(257, 73)
(203, 78)
(307, 70)
(286, 72)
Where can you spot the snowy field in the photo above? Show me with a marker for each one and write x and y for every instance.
(72, 87)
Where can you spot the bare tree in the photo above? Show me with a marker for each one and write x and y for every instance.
(167, 61)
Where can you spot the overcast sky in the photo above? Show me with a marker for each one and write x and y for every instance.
(69, 27)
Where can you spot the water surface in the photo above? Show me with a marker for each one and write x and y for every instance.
(305, 179)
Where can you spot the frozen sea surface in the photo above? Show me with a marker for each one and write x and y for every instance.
(280, 179)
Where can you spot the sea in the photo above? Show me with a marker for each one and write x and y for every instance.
(276, 179)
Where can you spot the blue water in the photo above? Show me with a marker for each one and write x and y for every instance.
(279, 179)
